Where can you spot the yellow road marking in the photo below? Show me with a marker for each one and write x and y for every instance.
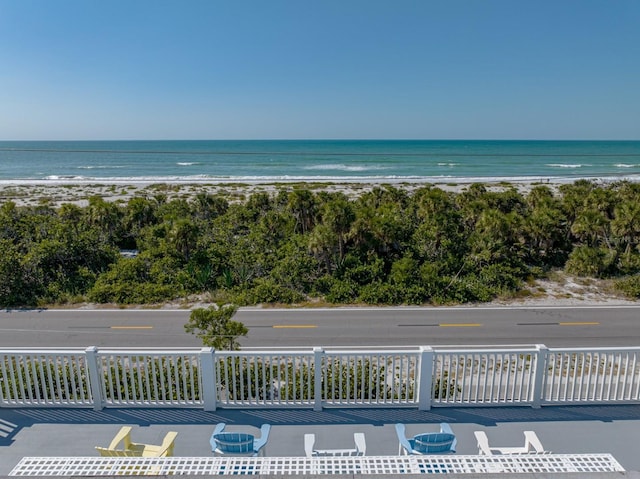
(578, 323)
(131, 327)
(293, 326)
(460, 325)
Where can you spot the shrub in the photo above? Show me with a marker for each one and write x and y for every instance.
(629, 286)
(342, 292)
(589, 261)
(379, 293)
(268, 291)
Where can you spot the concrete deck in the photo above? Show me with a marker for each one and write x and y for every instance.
(75, 432)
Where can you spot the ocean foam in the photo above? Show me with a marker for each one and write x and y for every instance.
(564, 165)
(187, 163)
(100, 167)
(260, 179)
(342, 167)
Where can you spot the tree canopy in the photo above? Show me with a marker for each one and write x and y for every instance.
(384, 246)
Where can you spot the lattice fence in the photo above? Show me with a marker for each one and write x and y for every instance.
(388, 465)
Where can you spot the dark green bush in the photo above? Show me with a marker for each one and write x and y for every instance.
(342, 292)
(629, 286)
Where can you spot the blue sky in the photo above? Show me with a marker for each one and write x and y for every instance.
(192, 69)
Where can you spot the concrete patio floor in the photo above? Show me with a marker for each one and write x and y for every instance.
(75, 432)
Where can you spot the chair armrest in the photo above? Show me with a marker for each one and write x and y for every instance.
(445, 428)
(532, 441)
(483, 443)
(262, 440)
(168, 444)
(124, 436)
(219, 428)
(309, 442)
(402, 438)
(163, 450)
(361, 445)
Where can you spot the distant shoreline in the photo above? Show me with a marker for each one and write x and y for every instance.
(56, 193)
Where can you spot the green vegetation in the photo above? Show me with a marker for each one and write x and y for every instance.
(384, 246)
(214, 327)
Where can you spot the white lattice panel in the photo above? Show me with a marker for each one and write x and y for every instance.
(452, 464)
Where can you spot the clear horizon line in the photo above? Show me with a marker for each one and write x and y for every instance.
(325, 139)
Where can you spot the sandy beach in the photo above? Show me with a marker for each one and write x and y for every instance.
(56, 193)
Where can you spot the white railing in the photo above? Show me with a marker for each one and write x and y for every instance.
(601, 375)
(369, 378)
(484, 377)
(283, 379)
(44, 378)
(152, 378)
(304, 466)
(319, 378)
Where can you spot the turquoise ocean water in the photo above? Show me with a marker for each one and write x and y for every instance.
(316, 160)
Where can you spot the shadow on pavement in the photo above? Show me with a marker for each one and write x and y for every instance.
(13, 419)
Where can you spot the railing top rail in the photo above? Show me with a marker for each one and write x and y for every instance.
(164, 351)
(264, 353)
(484, 350)
(474, 349)
(596, 349)
(485, 346)
(380, 351)
(44, 351)
(83, 349)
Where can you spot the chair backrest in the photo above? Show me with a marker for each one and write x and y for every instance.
(433, 442)
(234, 442)
(168, 444)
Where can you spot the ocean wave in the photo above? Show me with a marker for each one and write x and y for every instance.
(565, 165)
(448, 164)
(101, 167)
(187, 163)
(66, 177)
(342, 167)
(623, 165)
(270, 179)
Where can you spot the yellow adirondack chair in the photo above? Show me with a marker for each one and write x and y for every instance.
(130, 448)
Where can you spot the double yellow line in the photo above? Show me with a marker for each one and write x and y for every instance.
(580, 323)
(459, 325)
(294, 326)
(131, 327)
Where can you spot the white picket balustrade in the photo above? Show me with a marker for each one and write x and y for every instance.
(264, 379)
(318, 378)
(148, 378)
(44, 378)
(484, 376)
(371, 378)
(592, 376)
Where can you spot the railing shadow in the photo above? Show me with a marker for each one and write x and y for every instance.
(13, 419)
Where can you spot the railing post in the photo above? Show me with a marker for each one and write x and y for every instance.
(318, 353)
(541, 368)
(208, 380)
(425, 380)
(95, 377)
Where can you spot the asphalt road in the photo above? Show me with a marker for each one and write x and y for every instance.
(362, 327)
